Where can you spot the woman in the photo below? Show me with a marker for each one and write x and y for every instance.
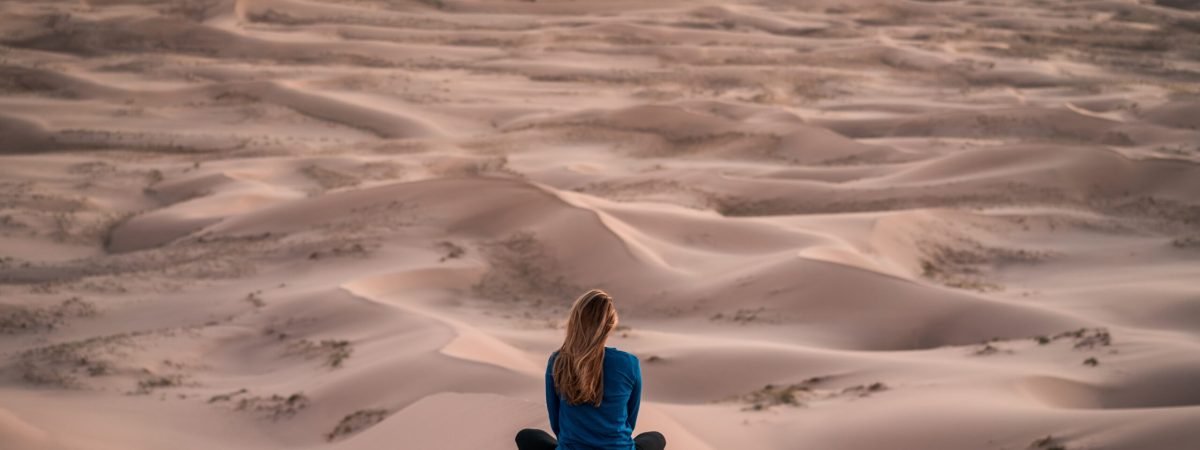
(592, 391)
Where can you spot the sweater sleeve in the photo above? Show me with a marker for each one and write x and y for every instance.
(551, 395)
(635, 396)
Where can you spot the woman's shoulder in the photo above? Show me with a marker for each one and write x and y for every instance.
(620, 354)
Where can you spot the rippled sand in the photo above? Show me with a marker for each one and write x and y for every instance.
(270, 224)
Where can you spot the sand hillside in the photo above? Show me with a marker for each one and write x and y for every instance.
(835, 225)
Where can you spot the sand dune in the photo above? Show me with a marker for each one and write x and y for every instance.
(357, 224)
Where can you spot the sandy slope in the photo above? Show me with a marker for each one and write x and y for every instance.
(356, 224)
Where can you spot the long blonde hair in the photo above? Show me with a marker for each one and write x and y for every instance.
(579, 367)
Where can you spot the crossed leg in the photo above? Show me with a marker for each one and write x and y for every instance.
(534, 439)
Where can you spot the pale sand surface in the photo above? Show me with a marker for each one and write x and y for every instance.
(356, 224)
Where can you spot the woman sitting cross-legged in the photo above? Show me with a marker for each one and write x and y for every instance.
(592, 391)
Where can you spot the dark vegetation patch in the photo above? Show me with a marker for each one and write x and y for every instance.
(334, 351)
(63, 364)
(148, 385)
(276, 406)
(227, 397)
(746, 316)
(23, 320)
(1048, 443)
(964, 264)
(1187, 242)
(355, 422)
(797, 394)
(523, 271)
(450, 250)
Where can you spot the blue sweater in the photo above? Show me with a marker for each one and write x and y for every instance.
(605, 427)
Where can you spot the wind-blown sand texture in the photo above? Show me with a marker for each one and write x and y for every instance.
(357, 224)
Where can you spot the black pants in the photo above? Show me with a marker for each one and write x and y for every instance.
(533, 439)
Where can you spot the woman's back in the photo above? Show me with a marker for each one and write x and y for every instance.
(592, 391)
(609, 425)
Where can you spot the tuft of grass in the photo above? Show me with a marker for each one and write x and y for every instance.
(276, 406)
(255, 299)
(339, 351)
(98, 368)
(439, 4)
(226, 397)
(987, 349)
(864, 390)
(523, 272)
(1088, 337)
(24, 320)
(328, 179)
(335, 351)
(58, 364)
(1082, 338)
(744, 316)
(1187, 242)
(1048, 443)
(147, 385)
(453, 251)
(357, 421)
(772, 395)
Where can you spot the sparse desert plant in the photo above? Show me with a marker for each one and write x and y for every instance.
(98, 368)
(355, 249)
(1047, 443)
(1086, 338)
(963, 261)
(339, 351)
(989, 349)
(276, 406)
(255, 299)
(772, 395)
(154, 176)
(864, 390)
(226, 397)
(61, 364)
(745, 316)
(523, 271)
(452, 250)
(439, 4)
(357, 421)
(1187, 242)
(335, 351)
(147, 385)
(796, 394)
(328, 179)
(22, 320)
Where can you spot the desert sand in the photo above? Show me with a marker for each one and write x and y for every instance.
(834, 225)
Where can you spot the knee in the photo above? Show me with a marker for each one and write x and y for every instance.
(659, 437)
(655, 437)
(526, 434)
